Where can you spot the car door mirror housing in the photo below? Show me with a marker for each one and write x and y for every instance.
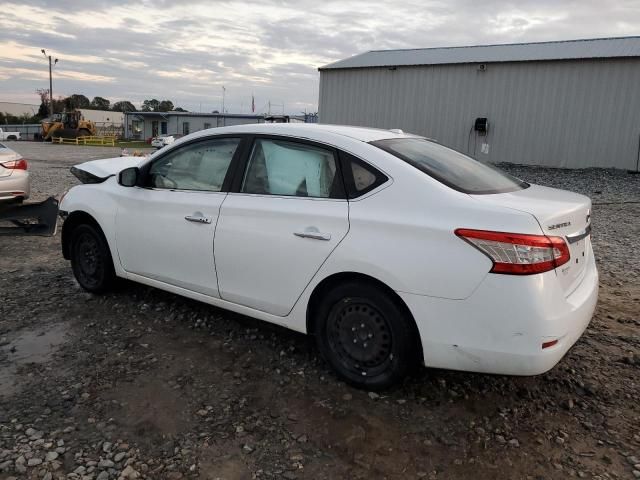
(129, 177)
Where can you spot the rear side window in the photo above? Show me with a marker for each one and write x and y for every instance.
(450, 167)
(286, 168)
(360, 177)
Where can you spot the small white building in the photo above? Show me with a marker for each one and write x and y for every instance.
(145, 125)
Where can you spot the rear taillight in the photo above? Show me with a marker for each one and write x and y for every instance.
(15, 164)
(516, 253)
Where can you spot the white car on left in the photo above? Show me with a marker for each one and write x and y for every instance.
(15, 183)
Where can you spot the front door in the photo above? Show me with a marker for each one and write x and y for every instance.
(276, 232)
(165, 228)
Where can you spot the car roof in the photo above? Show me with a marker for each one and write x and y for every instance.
(308, 130)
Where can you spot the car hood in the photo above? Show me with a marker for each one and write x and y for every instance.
(109, 166)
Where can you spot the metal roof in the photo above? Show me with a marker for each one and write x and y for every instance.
(513, 52)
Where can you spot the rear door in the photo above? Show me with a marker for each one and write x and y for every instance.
(285, 217)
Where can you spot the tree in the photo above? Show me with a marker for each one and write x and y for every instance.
(150, 105)
(76, 101)
(165, 106)
(100, 103)
(180, 109)
(123, 106)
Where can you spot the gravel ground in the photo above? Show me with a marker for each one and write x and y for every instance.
(141, 383)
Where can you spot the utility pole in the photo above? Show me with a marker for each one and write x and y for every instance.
(50, 81)
(223, 92)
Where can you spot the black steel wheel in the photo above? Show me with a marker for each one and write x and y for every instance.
(91, 259)
(366, 336)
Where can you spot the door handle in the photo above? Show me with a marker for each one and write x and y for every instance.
(314, 233)
(197, 219)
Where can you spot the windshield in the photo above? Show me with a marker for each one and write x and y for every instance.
(450, 167)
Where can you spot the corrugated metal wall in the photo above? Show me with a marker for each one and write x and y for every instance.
(571, 114)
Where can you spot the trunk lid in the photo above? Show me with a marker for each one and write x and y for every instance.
(560, 214)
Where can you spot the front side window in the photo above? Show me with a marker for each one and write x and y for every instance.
(198, 166)
(450, 167)
(279, 167)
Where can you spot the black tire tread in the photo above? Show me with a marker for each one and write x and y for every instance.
(404, 334)
(109, 278)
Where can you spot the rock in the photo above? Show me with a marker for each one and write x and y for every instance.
(47, 476)
(373, 395)
(51, 456)
(636, 473)
(633, 459)
(106, 447)
(129, 473)
(514, 442)
(500, 439)
(103, 476)
(247, 448)
(32, 462)
(347, 397)
(106, 464)
(119, 456)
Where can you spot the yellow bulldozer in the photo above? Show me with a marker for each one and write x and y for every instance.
(67, 125)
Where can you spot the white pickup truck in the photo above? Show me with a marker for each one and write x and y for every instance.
(4, 135)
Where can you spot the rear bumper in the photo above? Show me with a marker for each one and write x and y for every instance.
(17, 185)
(501, 327)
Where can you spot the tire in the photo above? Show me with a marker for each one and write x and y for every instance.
(12, 137)
(366, 337)
(91, 259)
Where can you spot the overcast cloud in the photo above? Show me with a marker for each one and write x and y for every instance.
(186, 51)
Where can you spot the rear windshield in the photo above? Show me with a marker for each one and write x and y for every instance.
(450, 167)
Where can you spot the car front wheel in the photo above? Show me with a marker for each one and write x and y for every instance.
(91, 259)
(366, 336)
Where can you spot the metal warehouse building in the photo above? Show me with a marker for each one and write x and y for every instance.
(569, 104)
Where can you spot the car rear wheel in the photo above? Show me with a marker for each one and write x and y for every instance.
(91, 259)
(366, 336)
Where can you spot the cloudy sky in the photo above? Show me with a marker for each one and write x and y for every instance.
(186, 51)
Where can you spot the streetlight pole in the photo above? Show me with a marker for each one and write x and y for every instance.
(50, 81)
(224, 90)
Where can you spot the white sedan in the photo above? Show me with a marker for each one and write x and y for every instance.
(389, 248)
(164, 140)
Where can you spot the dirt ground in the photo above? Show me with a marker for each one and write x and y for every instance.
(140, 383)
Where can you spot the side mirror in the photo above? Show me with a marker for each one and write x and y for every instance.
(129, 177)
